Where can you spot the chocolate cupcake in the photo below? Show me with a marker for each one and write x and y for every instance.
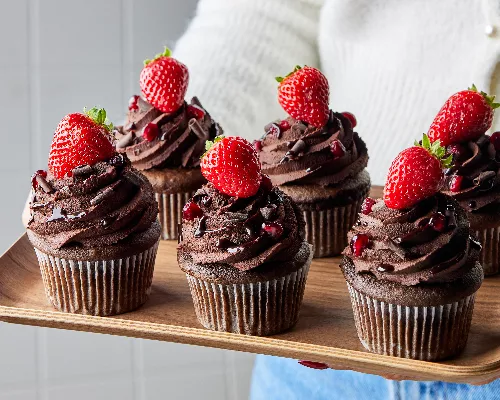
(165, 142)
(245, 258)
(321, 166)
(474, 179)
(412, 270)
(93, 226)
(474, 182)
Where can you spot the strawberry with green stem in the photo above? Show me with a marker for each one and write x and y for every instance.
(416, 174)
(465, 116)
(80, 139)
(232, 165)
(164, 81)
(304, 95)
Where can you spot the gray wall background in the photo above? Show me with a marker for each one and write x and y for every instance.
(57, 56)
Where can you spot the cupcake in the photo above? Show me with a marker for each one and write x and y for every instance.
(93, 222)
(316, 158)
(242, 246)
(474, 179)
(164, 137)
(412, 265)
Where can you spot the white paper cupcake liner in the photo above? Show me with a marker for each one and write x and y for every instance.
(101, 288)
(327, 230)
(259, 309)
(170, 212)
(490, 254)
(420, 333)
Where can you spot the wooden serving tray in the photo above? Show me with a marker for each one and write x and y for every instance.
(324, 333)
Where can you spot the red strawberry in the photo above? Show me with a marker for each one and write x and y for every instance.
(232, 165)
(415, 174)
(304, 94)
(465, 116)
(80, 139)
(164, 82)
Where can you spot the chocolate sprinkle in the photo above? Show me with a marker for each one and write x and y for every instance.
(44, 184)
(197, 129)
(125, 141)
(82, 170)
(101, 196)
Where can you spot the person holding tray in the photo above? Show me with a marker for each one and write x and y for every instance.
(391, 64)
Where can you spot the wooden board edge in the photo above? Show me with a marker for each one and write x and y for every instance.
(335, 357)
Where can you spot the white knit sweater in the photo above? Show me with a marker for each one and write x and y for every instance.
(391, 62)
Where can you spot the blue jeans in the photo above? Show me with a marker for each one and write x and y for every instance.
(285, 379)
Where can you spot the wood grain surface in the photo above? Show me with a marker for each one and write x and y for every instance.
(324, 333)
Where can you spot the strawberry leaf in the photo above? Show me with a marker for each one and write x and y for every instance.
(280, 79)
(209, 144)
(489, 99)
(436, 150)
(166, 53)
(98, 115)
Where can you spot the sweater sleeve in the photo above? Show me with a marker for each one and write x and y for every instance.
(235, 48)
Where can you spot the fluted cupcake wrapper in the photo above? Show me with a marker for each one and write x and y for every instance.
(327, 229)
(170, 212)
(101, 288)
(490, 254)
(420, 333)
(259, 309)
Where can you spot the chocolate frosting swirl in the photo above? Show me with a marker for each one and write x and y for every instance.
(478, 166)
(97, 206)
(181, 139)
(404, 246)
(230, 232)
(302, 155)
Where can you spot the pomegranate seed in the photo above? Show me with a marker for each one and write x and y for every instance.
(366, 207)
(337, 149)
(458, 151)
(495, 140)
(274, 130)
(273, 229)
(313, 364)
(284, 125)
(351, 118)
(438, 222)
(132, 103)
(40, 172)
(150, 132)
(266, 183)
(191, 210)
(257, 144)
(359, 243)
(193, 111)
(455, 183)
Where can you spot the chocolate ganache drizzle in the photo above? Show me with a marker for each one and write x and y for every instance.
(476, 165)
(302, 154)
(180, 141)
(97, 205)
(241, 232)
(428, 243)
